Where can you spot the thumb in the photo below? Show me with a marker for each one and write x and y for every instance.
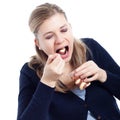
(51, 58)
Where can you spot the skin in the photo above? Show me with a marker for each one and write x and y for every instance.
(54, 35)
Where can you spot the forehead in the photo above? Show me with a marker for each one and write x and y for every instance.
(54, 22)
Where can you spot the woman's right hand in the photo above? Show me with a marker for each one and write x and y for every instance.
(53, 70)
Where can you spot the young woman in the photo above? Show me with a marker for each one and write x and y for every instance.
(68, 79)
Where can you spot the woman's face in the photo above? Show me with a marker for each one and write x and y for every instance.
(55, 36)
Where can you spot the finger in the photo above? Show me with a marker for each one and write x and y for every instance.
(84, 85)
(77, 82)
(57, 60)
(83, 70)
(80, 68)
(86, 72)
(51, 58)
(81, 73)
(91, 78)
(84, 65)
(72, 76)
(60, 66)
(87, 75)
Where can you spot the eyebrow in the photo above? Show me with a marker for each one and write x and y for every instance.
(63, 26)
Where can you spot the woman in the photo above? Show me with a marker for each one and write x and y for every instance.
(68, 79)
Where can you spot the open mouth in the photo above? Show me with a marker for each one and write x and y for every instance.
(62, 51)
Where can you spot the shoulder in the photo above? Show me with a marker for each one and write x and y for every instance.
(92, 44)
(94, 48)
(89, 41)
(27, 70)
(26, 67)
(28, 74)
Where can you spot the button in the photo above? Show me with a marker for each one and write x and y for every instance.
(99, 117)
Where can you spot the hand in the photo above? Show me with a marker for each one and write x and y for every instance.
(89, 71)
(82, 85)
(70, 80)
(52, 70)
(79, 82)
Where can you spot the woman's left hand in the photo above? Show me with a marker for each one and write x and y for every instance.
(89, 71)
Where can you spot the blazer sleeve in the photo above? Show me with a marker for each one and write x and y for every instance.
(33, 102)
(106, 62)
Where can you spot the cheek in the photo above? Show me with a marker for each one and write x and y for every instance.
(71, 44)
(70, 37)
(71, 40)
(48, 49)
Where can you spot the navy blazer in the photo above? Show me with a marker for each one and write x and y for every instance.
(37, 101)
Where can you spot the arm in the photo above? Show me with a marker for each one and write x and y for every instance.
(33, 101)
(103, 59)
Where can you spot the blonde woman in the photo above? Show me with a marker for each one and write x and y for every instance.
(67, 79)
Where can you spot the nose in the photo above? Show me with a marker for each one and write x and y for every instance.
(59, 39)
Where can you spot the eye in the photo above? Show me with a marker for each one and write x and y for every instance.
(48, 37)
(64, 30)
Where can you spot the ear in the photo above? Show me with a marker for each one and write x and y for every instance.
(37, 43)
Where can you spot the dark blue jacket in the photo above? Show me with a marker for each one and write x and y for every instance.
(37, 101)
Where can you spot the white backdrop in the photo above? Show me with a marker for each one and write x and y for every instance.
(98, 19)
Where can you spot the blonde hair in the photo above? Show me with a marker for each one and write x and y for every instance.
(38, 16)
